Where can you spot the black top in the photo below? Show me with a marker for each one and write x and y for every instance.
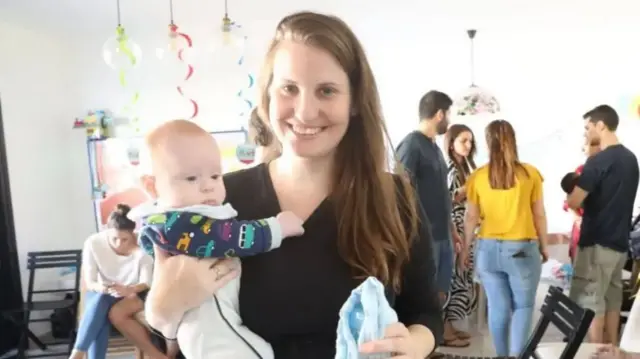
(292, 296)
(424, 161)
(611, 180)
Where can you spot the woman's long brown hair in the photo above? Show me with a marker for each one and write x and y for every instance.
(503, 155)
(466, 165)
(376, 222)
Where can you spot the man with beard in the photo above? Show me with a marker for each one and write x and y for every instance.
(606, 190)
(425, 164)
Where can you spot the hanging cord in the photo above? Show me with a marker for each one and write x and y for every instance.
(171, 11)
(118, 11)
(472, 35)
(226, 9)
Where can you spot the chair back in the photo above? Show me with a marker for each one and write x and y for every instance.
(571, 319)
(53, 260)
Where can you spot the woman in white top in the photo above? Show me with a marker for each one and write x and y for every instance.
(115, 271)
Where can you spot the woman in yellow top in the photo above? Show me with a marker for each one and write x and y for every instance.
(505, 199)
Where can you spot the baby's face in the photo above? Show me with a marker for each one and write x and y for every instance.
(188, 172)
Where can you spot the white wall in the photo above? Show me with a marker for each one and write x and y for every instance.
(547, 63)
(47, 161)
(546, 75)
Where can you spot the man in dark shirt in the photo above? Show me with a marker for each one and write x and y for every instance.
(423, 160)
(606, 189)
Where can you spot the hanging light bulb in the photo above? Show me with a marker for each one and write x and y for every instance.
(229, 42)
(174, 46)
(231, 34)
(174, 54)
(120, 52)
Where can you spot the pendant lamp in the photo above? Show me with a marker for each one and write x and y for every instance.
(475, 100)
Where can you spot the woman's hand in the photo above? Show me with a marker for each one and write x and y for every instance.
(463, 259)
(120, 291)
(544, 253)
(397, 341)
(193, 275)
(460, 195)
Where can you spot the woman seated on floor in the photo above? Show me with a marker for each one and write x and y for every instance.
(116, 274)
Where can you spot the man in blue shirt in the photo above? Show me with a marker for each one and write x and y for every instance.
(425, 163)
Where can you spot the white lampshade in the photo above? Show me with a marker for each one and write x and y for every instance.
(475, 101)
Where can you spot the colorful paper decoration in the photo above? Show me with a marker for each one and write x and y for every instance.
(635, 107)
(179, 45)
(95, 123)
(245, 104)
(246, 153)
(122, 54)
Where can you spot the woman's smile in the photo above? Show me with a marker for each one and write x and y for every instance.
(304, 131)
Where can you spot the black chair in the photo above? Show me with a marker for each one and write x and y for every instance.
(22, 316)
(572, 320)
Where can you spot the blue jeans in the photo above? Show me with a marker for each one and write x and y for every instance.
(510, 273)
(94, 328)
(443, 260)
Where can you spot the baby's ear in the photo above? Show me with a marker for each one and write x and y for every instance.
(148, 184)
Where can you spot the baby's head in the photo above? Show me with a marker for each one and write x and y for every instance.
(569, 182)
(183, 166)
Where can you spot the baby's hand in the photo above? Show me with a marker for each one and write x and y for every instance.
(290, 223)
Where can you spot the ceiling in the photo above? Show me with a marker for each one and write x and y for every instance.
(82, 15)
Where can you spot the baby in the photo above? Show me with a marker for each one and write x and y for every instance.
(184, 177)
(569, 182)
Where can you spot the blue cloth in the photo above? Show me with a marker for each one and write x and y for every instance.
(363, 318)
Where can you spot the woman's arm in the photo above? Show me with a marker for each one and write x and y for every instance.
(457, 191)
(537, 208)
(540, 221)
(90, 268)
(418, 305)
(146, 273)
(471, 220)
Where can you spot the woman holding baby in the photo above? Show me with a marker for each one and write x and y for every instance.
(116, 275)
(318, 96)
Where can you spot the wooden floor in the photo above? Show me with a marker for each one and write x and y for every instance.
(119, 346)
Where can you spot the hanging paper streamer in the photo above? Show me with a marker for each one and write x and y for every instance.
(181, 50)
(246, 105)
(123, 55)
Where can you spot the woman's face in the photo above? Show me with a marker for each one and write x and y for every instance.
(310, 100)
(121, 239)
(462, 144)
